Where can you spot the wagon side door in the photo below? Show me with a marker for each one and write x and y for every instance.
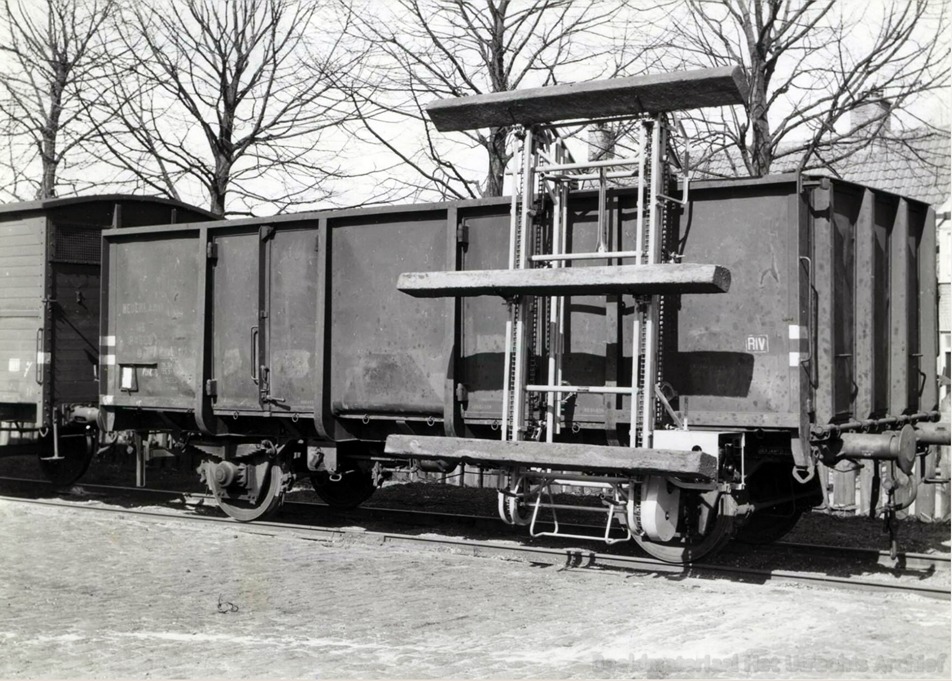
(288, 305)
(74, 274)
(237, 335)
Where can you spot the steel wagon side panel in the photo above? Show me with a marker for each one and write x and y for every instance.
(386, 348)
(483, 334)
(342, 342)
(739, 354)
(236, 331)
(154, 305)
(876, 294)
(292, 317)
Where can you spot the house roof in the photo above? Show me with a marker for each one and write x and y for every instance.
(915, 164)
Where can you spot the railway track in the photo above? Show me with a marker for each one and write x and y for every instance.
(835, 567)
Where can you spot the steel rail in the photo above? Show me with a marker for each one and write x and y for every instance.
(909, 560)
(566, 557)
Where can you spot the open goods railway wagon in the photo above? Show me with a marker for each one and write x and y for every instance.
(49, 322)
(690, 352)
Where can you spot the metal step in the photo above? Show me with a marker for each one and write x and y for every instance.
(569, 281)
(558, 455)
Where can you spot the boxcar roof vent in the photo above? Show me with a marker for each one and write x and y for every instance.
(658, 93)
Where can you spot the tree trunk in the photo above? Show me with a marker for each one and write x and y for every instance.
(498, 157)
(218, 187)
(217, 203)
(219, 191)
(47, 188)
(48, 155)
(761, 156)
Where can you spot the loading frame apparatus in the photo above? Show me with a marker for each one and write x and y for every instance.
(634, 498)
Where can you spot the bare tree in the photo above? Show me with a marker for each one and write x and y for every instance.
(809, 63)
(228, 98)
(430, 49)
(53, 51)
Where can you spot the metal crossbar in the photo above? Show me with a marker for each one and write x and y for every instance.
(606, 255)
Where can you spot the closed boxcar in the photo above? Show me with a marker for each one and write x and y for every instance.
(49, 307)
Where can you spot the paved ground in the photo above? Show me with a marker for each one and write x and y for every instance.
(91, 596)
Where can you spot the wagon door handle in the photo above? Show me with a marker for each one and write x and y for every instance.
(254, 354)
(39, 356)
(811, 314)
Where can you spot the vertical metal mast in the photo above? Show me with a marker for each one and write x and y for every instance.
(520, 245)
(542, 157)
(651, 310)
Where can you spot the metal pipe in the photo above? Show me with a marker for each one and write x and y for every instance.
(636, 318)
(587, 256)
(834, 429)
(891, 445)
(582, 177)
(436, 465)
(56, 453)
(141, 461)
(584, 165)
(552, 400)
(82, 414)
(651, 314)
(517, 405)
(560, 331)
(596, 389)
(933, 434)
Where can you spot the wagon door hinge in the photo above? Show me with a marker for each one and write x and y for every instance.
(211, 250)
(462, 235)
(211, 387)
(264, 383)
(265, 232)
(264, 387)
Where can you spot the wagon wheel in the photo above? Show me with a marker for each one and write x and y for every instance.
(767, 526)
(227, 486)
(76, 451)
(702, 528)
(512, 502)
(347, 490)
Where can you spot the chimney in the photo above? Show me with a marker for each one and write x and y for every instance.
(874, 108)
(601, 142)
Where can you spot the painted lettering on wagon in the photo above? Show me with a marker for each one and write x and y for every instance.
(758, 345)
(146, 308)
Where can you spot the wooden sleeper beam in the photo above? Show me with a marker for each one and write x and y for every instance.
(561, 456)
(658, 93)
(569, 281)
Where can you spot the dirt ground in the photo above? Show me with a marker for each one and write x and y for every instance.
(84, 595)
